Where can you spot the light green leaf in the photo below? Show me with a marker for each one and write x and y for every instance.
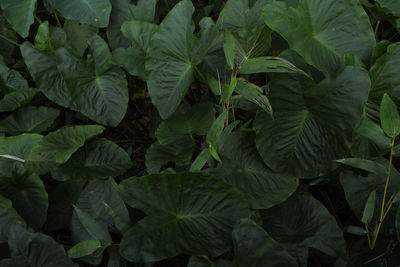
(57, 147)
(323, 31)
(29, 120)
(269, 64)
(84, 248)
(390, 119)
(309, 225)
(36, 249)
(189, 213)
(200, 161)
(254, 247)
(216, 129)
(254, 94)
(28, 195)
(196, 119)
(369, 208)
(96, 229)
(43, 39)
(8, 217)
(243, 168)
(313, 123)
(93, 12)
(99, 159)
(19, 14)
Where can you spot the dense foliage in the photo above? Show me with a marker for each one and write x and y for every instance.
(199, 133)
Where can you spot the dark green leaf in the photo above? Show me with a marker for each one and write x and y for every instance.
(169, 63)
(28, 196)
(78, 35)
(254, 247)
(196, 119)
(99, 159)
(8, 218)
(19, 14)
(309, 225)
(188, 213)
(11, 80)
(365, 164)
(17, 99)
(322, 31)
(243, 168)
(37, 249)
(313, 124)
(29, 120)
(93, 12)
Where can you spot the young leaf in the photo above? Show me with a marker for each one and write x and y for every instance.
(216, 129)
(390, 119)
(364, 164)
(369, 208)
(200, 161)
(83, 249)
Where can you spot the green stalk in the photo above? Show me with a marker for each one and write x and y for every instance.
(9, 40)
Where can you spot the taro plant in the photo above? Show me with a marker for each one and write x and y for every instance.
(199, 133)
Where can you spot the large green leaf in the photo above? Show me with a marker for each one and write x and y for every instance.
(391, 6)
(78, 35)
(133, 59)
(97, 160)
(11, 80)
(309, 225)
(28, 196)
(8, 218)
(169, 63)
(29, 120)
(322, 31)
(254, 247)
(98, 91)
(313, 123)
(243, 168)
(6, 48)
(36, 249)
(57, 147)
(358, 187)
(180, 152)
(384, 79)
(16, 146)
(196, 119)
(94, 12)
(124, 10)
(97, 200)
(17, 99)
(188, 213)
(20, 14)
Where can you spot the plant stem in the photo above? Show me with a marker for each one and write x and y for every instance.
(376, 28)
(383, 213)
(9, 40)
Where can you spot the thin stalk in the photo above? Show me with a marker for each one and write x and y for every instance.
(376, 28)
(36, 17)
(55, 14)
(167, 5)
(368, 235)
(383, 213)
(9, 40)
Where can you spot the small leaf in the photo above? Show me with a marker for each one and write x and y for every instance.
(390, 119)
(83, 249)
(369, 208)
(355, 230)
(200, 161)
(216, 129)
(214, 153)
(364, 164)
